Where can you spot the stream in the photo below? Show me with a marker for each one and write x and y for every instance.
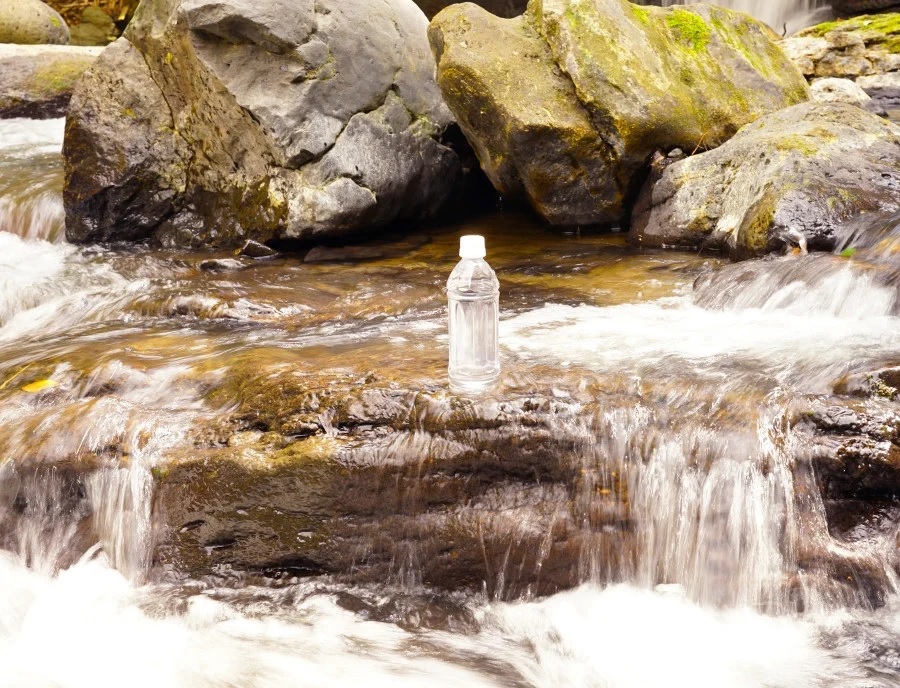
(680, 375)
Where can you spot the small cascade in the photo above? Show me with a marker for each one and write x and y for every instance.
(784, 16)
(672, 457)
(31, 179)
(121, 502)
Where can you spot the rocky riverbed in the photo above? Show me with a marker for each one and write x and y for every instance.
(225, 426)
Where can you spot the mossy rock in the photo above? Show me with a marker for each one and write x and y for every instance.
(565, 104)
(875, 30)
(790, 177)
(31, 22)
(95, 28)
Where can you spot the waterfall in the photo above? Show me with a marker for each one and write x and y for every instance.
(784, 16)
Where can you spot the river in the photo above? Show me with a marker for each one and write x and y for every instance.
(690, 368)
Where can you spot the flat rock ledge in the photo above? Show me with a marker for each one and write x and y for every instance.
(363, 481)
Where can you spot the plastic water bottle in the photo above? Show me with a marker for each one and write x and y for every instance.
(474, 298)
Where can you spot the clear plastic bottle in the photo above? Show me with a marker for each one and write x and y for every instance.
(474, 299)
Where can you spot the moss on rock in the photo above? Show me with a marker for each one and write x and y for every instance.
(565, 105)
(794, 174)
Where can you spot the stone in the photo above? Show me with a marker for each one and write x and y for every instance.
(884, 89)
(851, 48)
(275, 122)
(138, 171)
(96, 28)
(805, 51)
(857, 447)
(843, 66)
(564, 105)
(254, 249)
(31, 22)
(37, 80)
(790, 177)
(839, 91)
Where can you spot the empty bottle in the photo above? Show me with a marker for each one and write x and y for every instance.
(474, 298)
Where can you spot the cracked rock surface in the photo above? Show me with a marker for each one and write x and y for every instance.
(565, 104)
(211, 123)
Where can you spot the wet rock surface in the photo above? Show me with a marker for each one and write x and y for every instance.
(791, 177)
(565, 104)
(846, 7)
(290, 419)
(370, 482)
(294, 130)
(857, 447)
(37, 81)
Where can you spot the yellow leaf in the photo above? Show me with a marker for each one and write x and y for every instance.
(39, 385)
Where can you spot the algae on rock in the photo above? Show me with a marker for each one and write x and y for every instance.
(565, 105)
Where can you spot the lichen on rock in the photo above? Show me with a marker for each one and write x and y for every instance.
(791, 177)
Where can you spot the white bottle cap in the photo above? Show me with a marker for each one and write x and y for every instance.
(472, 246)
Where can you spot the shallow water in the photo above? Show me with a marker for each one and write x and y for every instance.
(685, 390)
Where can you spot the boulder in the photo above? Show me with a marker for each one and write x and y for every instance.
(832, 90)
(37, 80)
(884, 90)
(791, 177)
(245, 120)
(96, 28)
(856, 47)
(565, 104)
(30, 22)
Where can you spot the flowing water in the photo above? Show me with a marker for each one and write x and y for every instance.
(784, 17)
(678, 379)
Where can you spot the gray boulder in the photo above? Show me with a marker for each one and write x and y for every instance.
(884, 90)
(259, 120)
(37, 80)
(564, 105)
(30, 22)
(790, 177)
(833, 90)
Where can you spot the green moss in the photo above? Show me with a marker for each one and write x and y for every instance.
(755, 231)
(687, 27)
(878, 29)
(642, 14)
(58, 76)
(796, 142)
(55, 21)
